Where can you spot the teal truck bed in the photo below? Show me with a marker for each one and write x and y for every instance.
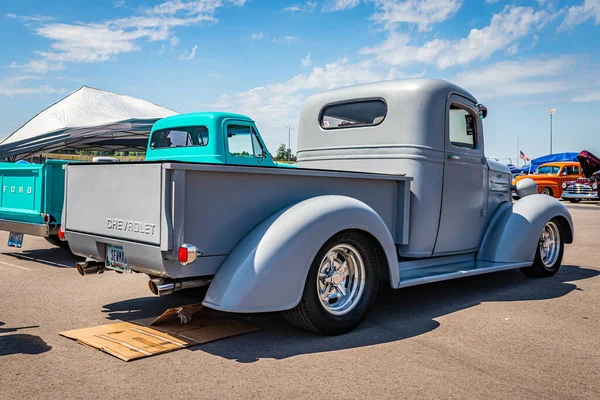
(32, 198)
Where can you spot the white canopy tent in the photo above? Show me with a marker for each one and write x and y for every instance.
(87, 119)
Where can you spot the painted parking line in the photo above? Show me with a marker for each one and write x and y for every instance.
(14, 266)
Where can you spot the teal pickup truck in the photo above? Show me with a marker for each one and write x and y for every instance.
(33, 194)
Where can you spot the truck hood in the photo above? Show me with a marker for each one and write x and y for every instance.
(589, 163)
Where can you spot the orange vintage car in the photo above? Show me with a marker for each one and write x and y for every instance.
(551, 176)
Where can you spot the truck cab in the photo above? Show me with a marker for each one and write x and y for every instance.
(429, 129)
(208, 137)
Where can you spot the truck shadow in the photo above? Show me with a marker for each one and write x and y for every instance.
(21, 343)
(152, 306)
(396, 315)
(53, 257)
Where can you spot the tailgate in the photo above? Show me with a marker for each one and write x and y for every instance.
(21, 196)
(122, 201)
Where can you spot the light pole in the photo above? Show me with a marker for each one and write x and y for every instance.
(290, 129)
(550, 111)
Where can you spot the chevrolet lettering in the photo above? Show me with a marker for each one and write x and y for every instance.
(130, 226)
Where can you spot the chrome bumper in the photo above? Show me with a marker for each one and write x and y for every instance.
(589, 196)
(43, 230)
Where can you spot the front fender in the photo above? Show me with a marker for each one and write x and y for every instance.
(267, 269)
(514, 230)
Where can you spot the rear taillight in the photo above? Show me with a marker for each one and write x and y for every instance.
(61, 233)
(46, 219)
(187, 254)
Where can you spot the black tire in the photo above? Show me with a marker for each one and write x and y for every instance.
(311, 315)
(575, 201)
(538, 269)
(54, 240)
(547, 191)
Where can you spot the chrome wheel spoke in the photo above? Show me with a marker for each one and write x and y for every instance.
(323, 293)
(344, 270)
(341, 289)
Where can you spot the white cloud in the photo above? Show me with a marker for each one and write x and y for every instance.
(285, 39)
(423, 13)
(307, 7)
(119, 3)
(30, 18)
(340, 5)
(38, 66)
(257, 36)
(590, 97)
(188, 55)
(306, 61)
(589, 9)
(518, 78)
(491, 1)
(97, 42)
(277, 105)
(504, 31)
(15, 86)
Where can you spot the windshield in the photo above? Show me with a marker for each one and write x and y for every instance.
(547, 169)
(179, 137)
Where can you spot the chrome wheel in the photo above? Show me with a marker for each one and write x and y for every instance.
(545, 191)
(341, 279)
(549, 244)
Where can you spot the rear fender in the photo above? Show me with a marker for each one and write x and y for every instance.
(514, 229)
(267, 269)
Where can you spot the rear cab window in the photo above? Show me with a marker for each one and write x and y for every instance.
(354, 113)
(179, 137)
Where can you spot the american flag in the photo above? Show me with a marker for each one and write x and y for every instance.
(522, 156)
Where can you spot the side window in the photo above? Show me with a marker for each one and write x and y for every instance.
(351, 114)
(180, 137)
(242, 141)
(573, 170)
(463, 128)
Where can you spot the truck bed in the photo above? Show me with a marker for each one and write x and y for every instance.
(28, 192)
(151, 208)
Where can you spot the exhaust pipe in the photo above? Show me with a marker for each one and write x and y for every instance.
(89, 267)
(163, 287)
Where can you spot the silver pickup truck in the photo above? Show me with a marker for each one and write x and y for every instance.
(392, 185)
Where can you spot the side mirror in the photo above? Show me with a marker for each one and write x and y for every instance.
(526, 187)
(482, 110)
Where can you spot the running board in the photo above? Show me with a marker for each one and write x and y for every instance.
(452, 270)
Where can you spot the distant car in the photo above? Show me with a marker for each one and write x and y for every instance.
(586, 187)
(102, 159)
(551, 176)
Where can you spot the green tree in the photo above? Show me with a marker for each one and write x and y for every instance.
(282, 152)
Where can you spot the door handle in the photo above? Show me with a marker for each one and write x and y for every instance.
(453, 157)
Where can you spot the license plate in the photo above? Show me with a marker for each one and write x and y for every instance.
(15, 239)
(115, 258)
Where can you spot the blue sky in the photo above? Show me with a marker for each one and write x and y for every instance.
(263, 58)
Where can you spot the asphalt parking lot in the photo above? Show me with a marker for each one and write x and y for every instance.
(498, 336)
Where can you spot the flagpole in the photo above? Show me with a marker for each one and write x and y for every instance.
(518, 152)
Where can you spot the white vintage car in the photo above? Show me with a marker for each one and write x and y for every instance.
(392, 185)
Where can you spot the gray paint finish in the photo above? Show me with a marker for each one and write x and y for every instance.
(515, 228)
(266, 271)
(212, 207)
